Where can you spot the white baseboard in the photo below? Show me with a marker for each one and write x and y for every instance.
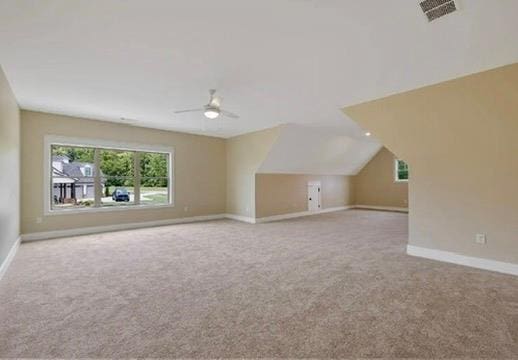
(300, 214)
(9, 258)
(116, 227)
(242, 218)
(337, 208)
(384, 208)
(307, 213)
(454, 258)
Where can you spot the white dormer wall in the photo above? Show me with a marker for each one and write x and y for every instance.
(57, 165)
(84, 171)
(318, 150)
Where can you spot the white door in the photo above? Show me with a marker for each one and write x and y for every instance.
(314, 190)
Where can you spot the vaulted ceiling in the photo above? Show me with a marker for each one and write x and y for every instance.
(317, 150)
(273, 61)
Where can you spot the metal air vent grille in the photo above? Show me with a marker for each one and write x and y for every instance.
(435, 9)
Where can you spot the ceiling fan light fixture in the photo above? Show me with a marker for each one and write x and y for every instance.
(211, 113)
(212, 110)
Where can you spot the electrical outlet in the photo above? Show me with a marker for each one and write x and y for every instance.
(185, 208)
(480, 238)
(39, 220)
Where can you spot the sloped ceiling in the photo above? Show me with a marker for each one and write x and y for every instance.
(273, 61)
(303, 149)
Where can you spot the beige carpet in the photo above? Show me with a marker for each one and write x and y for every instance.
(332, 285)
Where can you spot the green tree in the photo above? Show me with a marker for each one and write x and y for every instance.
(117, 167)
(153, 169)
(75, 154)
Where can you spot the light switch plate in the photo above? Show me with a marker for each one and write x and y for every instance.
(480, 238)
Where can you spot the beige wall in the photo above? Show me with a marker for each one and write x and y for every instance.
(460, 139)
(278, 194)
(9, 168)
(375, 185)
(199, 171)
(245, 153)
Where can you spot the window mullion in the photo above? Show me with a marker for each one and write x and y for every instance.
(136, 180)
(97, 178)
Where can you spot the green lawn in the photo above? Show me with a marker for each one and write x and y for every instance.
(155, 199)
(131, 189)
(149, 196)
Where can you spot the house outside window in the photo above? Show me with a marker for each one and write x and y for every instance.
(401, 171)
(88, 170)
(87, 175)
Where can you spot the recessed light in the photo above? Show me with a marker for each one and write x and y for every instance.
(368, 134)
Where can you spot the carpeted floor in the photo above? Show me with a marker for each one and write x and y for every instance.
(331, 285)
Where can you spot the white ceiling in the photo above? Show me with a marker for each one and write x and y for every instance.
(273, 61)
(317, 150)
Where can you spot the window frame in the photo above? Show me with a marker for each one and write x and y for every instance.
(396, 171)
(90, 172)
(50, 140)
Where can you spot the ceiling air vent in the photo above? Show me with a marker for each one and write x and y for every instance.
(435, 9)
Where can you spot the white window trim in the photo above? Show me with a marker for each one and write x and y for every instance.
(90, 170)
(50, 140)
(396, 179)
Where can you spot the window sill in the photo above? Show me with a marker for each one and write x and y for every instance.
(400, 181)
(105, 209)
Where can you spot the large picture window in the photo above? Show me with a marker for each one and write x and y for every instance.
(101, 177)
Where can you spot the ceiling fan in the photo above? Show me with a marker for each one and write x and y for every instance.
(213, 109)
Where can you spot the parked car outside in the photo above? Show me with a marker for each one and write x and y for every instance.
(120, 194)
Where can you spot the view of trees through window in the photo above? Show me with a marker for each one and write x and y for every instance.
(154, 176)
(74, 173)
(401, 170)
(117, 177)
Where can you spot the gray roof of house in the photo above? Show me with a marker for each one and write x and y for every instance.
(60, 157)
(73, 170)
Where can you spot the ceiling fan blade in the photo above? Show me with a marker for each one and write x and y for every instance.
(189, 110)
(229, 114)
